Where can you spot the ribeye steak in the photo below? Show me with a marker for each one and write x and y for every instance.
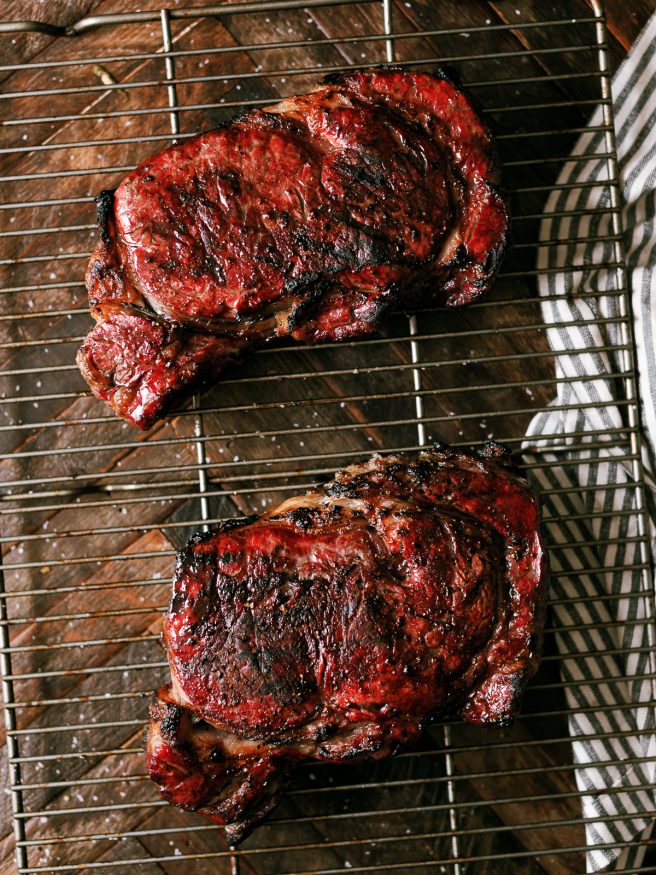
(335, 625)
(307, 219)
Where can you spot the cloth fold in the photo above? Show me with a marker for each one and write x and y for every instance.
(602, 589)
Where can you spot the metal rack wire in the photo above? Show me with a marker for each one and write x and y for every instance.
(91, 512)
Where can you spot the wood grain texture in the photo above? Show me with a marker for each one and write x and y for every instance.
(91, 549)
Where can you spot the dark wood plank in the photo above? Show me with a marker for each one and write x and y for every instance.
(626, 22)
(21, 48)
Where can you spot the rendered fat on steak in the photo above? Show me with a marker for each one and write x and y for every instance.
(307, 219)
(332, 627)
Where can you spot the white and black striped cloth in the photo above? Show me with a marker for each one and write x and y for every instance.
(612, 720)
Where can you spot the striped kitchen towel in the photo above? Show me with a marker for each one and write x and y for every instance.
(602, 612)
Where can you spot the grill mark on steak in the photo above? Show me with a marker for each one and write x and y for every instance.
(308, 219)
(336, 624)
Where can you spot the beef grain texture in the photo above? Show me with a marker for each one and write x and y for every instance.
(335, 625)
(307, 219)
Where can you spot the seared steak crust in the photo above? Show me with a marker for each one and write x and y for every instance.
(307, 219)
(333, 626)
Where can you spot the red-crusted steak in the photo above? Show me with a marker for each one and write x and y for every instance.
(333, 626)
(307, 219)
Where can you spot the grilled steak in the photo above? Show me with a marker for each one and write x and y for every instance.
(334, 626)
(307, 219)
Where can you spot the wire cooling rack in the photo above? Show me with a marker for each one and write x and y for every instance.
(92, 511)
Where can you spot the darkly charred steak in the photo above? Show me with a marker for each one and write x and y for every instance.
(307, 219)
(332, 627)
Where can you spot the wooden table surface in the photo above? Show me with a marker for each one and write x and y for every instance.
(168, 519)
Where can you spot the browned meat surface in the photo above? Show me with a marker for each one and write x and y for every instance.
(308, 219)
(335, 625)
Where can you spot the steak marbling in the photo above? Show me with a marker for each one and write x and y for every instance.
(335, 625)
(307, 219)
